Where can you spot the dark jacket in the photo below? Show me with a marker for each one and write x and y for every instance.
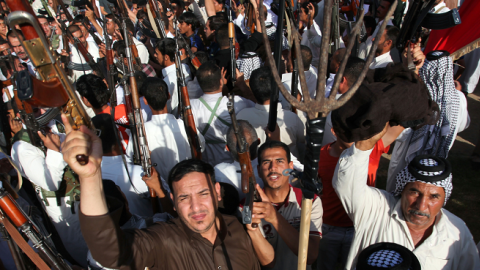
(166, 245)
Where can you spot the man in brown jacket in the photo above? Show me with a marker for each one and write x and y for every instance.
(201, 238)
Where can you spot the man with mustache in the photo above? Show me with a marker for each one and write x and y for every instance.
(201, 238)
(16, 46)
(279, 212)
(412, 216)
(77, 63)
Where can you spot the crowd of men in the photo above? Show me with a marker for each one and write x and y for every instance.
(108, 220)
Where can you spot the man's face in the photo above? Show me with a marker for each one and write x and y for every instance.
(135, 9)
(183, 27)
(421, 203)
(3, 27)
(82, 27)
(110, 27)
(303, 15)
(271, 166)
(50, 3)
(81, 37)
(18, 48)
(18, 65)
(4, 49)
(382, 10)
(45, 26)
(381, 49)
(193, 200)
(209, 32)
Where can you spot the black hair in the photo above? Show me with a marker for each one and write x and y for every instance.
(221, 36)
(202, 56)
(353, 69)
(208, 76)
(12, 34)
(187, 166)
(189, 18)
(245, 128)
(305, 7)
(78, 19)
(119, 47)
(306, 56)
(261, 83)
(272, 144)
(369, 21)
(216, 21)
(155, 91)
(103, 122)
(93, 89)
(179, 3)
(130, 26)
(167, 47)
(392, 34)
(389, 1)
(142, 15)
(221, 2)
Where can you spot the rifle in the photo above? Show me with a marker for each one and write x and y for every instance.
(418, 16)
(53, 89)
(248, 178)
(186, 109)
(193, 59)
(154, 10)
(123, 11)
(272, 113)
(144, 152)
(9, 208)
(85, 23)
(231, 37)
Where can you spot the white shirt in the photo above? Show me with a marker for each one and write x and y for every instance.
(194, 90)
(381, 61)
(215, 136)
(167, 141)
(170, 77)
(31, 68)
(142, 51)
(378, 217)
(367, 45)
(311, 79)
(231, 173)
(47, 173)
(291, 127)
(291, 211)
(77, 58)
(137, 194)
(312, 38)
(440, 8)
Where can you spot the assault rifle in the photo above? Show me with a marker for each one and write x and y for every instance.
(193, 59)
(231, 38)
(53, 89)
(142, 143)
(153, 8)
(85, 23)
(184, 107)
(122, 8)
(248, 178)
(9, 208)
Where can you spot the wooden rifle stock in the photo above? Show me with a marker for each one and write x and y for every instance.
(248, 183)
(193, 59)
(231, 37)
(54, 84)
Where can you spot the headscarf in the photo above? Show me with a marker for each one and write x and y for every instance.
(437, 74)
(426, 169)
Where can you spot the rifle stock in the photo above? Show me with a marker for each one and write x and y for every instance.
(188, 119)
(54, 88)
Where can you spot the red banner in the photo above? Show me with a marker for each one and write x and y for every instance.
(455, 38)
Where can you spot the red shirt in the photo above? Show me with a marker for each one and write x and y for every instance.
(333, 212)
(122, 119)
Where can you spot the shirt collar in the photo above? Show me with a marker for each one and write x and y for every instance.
(383, 57)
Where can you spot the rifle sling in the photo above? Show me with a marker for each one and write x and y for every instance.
(17, 237)
(213, 114)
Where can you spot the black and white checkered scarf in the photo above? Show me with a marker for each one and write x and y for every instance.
(431, 168)
(438, 77)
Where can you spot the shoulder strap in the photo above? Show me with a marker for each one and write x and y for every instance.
(213, 113)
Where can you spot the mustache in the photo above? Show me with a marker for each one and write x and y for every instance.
(197, 213)
(415, 212)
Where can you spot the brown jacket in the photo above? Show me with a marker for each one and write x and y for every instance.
(166, 245)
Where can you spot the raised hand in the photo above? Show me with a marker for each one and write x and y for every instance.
(50, 140)
(82, 142)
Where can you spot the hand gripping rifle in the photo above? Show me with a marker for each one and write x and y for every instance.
(152, 8)
(193, 59)
(9, 208)
(248, 178)
(141, 138)
(419, 16)
(318, 109)
(186, 109)
(53, 89)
